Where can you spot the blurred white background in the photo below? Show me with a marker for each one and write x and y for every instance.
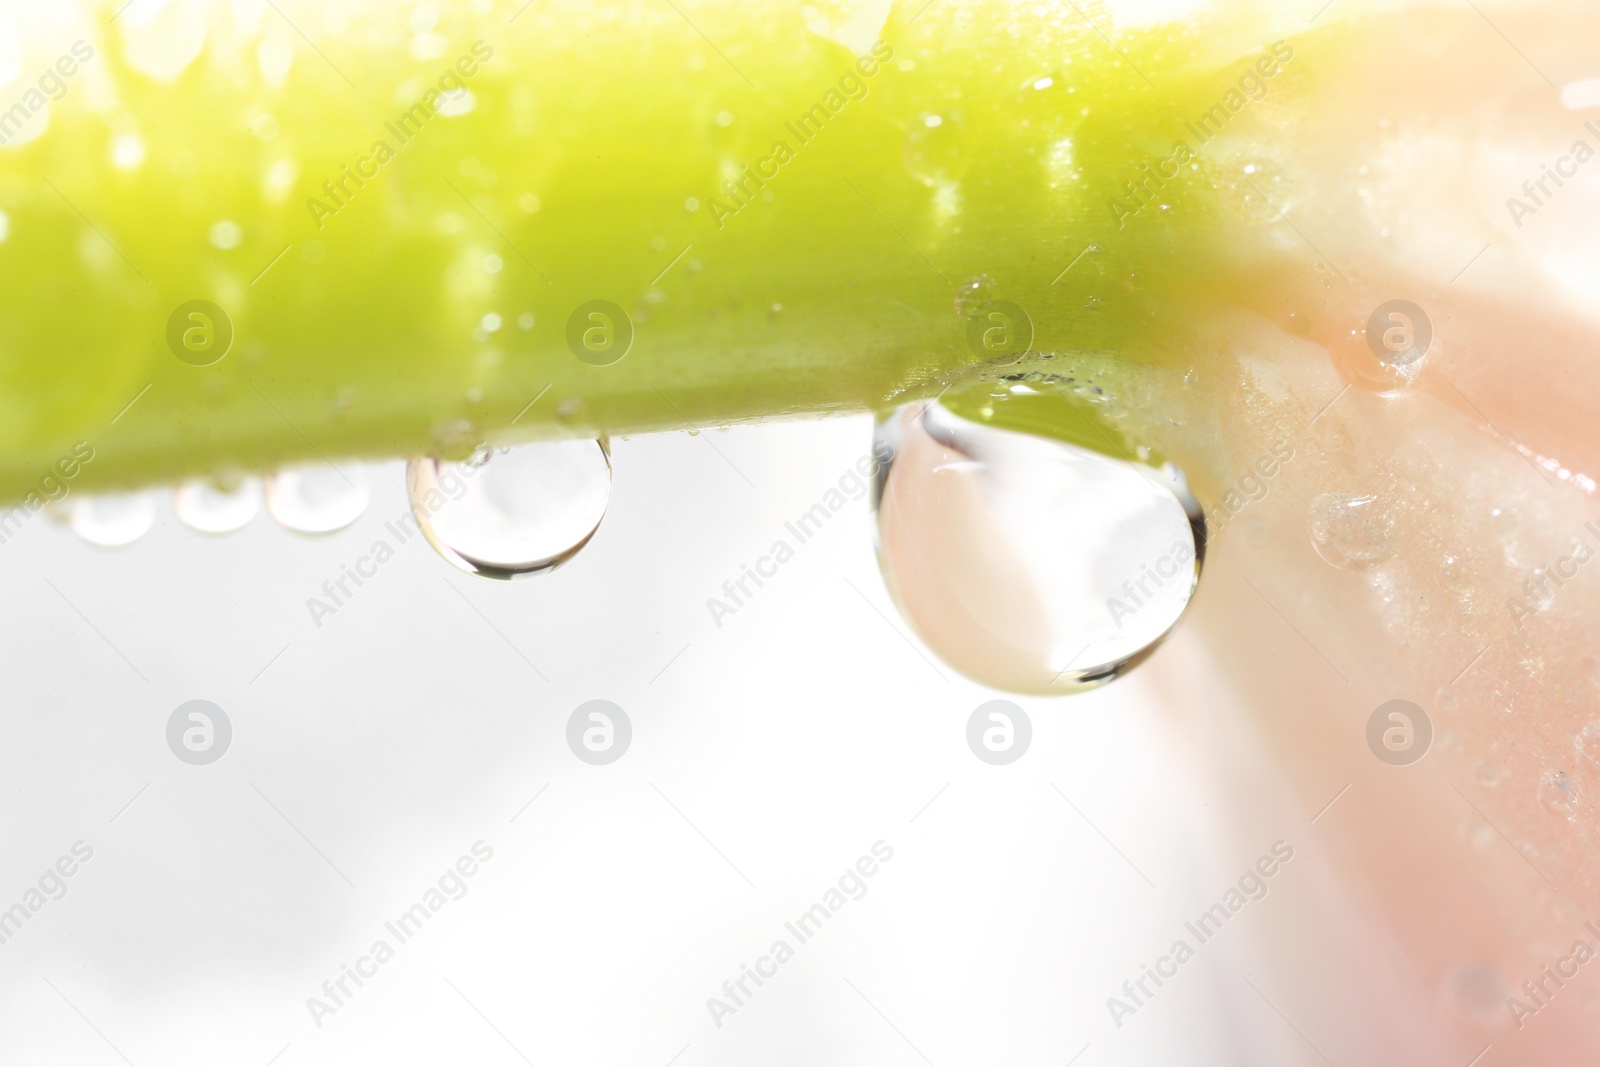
(767, 756)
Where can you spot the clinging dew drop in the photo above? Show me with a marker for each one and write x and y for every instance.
(1350, 530)
(114, 519)
(1028, 563)
(512, 513)
(318, 499)
(212, 508)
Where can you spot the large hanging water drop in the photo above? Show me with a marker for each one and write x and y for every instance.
(1028, 563)
(512, 512)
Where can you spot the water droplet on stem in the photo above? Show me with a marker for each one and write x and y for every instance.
(208, 507)
(513, 512)
(318, 499)
(113, 520)
(1028, 563)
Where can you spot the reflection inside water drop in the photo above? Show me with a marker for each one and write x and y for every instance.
(318, 499)
(512, 512)
(1028, 563)
(113, 520)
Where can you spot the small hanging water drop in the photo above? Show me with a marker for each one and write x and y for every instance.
(514, 512)
(318, 499)
(113, 520)
(1028, 563)
(208, 507)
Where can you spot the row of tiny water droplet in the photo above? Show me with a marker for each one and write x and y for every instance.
(310, 500)
(531, 510)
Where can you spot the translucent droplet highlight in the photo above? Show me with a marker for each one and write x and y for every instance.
(1256, 188)
(1350, 530)
(973, 294)
(1588, 745)
(512, 512)
(1028, 563)
(1558, 792)
(318, 499)
(113, 520)
(211, 508)
(935, 148)
(1364, 361)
